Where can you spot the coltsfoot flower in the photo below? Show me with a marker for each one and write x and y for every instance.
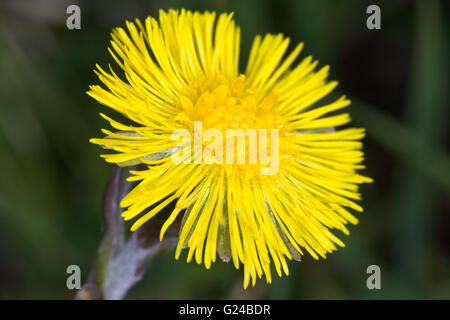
(184, 70)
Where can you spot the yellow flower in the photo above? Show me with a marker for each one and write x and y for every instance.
(184, 70)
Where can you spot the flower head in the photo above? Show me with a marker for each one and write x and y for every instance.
(279, 191)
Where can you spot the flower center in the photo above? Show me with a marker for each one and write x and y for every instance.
(243, 121)
(222, 105)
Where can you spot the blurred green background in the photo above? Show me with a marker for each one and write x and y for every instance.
(52, 178)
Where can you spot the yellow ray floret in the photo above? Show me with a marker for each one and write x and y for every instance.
(183, 70)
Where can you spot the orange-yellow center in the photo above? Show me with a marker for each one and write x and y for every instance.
(223, 104)
(228, 105)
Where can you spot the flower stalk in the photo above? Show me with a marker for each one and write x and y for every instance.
(122, 258)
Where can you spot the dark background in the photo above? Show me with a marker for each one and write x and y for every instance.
(52, 178)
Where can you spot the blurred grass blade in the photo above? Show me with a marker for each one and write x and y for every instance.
(425, 112)
(407, 144)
